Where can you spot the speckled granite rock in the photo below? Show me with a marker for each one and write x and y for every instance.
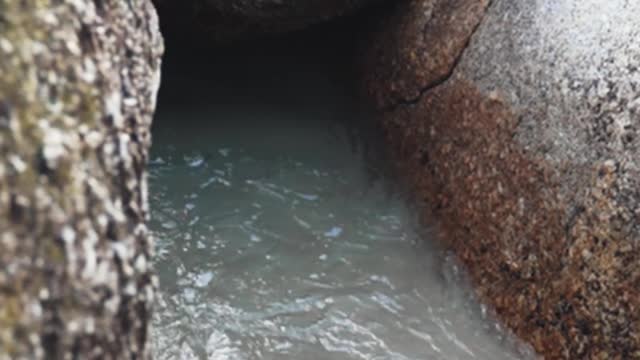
(228, 20)
(78, 81)
(524, 140)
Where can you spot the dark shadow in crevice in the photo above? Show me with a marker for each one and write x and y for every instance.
(313, 73)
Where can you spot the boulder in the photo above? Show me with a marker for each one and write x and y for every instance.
(226, 20)
(77, 91)
(518, 123)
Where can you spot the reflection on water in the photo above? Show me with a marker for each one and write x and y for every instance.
(275, 242)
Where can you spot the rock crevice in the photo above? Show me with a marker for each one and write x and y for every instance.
(427, 49)
(450, 69)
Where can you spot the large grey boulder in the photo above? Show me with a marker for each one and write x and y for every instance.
(78, 81)
(519, 124)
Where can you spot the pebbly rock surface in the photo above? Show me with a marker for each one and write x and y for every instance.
(226, 20)
(518, 122)
(78, 81)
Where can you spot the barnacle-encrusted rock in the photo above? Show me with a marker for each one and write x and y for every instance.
(227, 20)
(78, 81)
(523, 136)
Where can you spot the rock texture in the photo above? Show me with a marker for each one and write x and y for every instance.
(228, 20)
(519, 124)
(78, 81)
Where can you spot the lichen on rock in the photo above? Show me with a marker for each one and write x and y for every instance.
(77, 92)
(528, 153)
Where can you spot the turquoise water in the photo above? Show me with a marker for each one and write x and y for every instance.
(277, 238)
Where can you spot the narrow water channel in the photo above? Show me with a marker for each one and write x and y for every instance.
(276, 236)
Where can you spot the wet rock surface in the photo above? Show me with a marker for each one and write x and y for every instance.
(519, 127)
(77, 91)
(226, 20)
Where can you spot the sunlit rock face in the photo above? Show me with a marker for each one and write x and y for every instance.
(524, 140)
(226, 20)
(77, 90)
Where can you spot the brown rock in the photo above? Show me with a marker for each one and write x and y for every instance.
(419, 46)
(524, 140)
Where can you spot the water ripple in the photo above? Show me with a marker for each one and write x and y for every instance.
(300, 257)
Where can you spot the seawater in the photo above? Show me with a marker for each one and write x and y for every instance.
(278, 236)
